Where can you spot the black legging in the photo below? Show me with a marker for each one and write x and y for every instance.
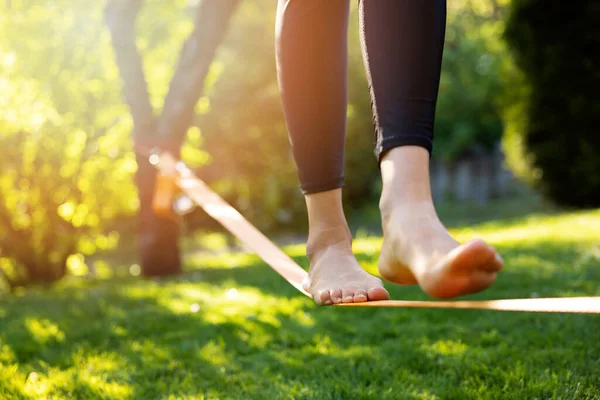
(402, 42)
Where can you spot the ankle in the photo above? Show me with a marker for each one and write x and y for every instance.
(327, 223)
(319, 240)
(405, 178)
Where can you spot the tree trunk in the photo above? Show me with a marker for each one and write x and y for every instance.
(158, 235)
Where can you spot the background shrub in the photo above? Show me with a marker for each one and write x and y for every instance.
(553, 138)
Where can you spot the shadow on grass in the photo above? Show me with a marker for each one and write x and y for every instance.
(109, 332)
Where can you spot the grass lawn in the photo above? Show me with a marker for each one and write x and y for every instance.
(231, 328)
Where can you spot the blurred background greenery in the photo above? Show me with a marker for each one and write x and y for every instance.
(521, 73)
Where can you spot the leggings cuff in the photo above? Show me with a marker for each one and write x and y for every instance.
(323, 186)
(391, 142)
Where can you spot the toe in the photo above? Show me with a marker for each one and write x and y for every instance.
(491, 262)
(348, 295)
(481, 281)
(498, 263)
(378, 293)
(360, 296)
(323, 298)
(473, 255)
(336, 296)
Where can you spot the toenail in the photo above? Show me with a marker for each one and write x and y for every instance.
(328, 302)
(348, 297)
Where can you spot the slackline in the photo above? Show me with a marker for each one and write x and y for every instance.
(273, 256)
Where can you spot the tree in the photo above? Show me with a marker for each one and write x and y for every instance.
(159, 234)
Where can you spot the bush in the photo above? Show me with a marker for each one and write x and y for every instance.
(66, 166)
(553, 139)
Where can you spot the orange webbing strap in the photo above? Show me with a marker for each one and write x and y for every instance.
(588, 305)
(232, 220)
(235, 223)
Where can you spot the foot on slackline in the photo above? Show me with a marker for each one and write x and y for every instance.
(335, 275)
(417, 249)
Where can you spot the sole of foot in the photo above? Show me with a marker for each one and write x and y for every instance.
(467, 269)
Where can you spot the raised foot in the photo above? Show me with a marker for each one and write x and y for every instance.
(419, 250)
(336, 277)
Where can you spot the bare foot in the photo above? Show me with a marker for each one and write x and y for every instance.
(417, 248)
(336, 277)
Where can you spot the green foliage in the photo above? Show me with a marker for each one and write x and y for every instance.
(66, 169)
(236, 330)
(552, 139)
(63, 117)
(469, 112)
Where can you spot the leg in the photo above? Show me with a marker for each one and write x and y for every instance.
(402, 44)
(312, 70)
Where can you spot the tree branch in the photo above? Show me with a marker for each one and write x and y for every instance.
(212, 19)
(120, 16)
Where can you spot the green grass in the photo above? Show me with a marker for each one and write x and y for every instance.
(233, 329)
